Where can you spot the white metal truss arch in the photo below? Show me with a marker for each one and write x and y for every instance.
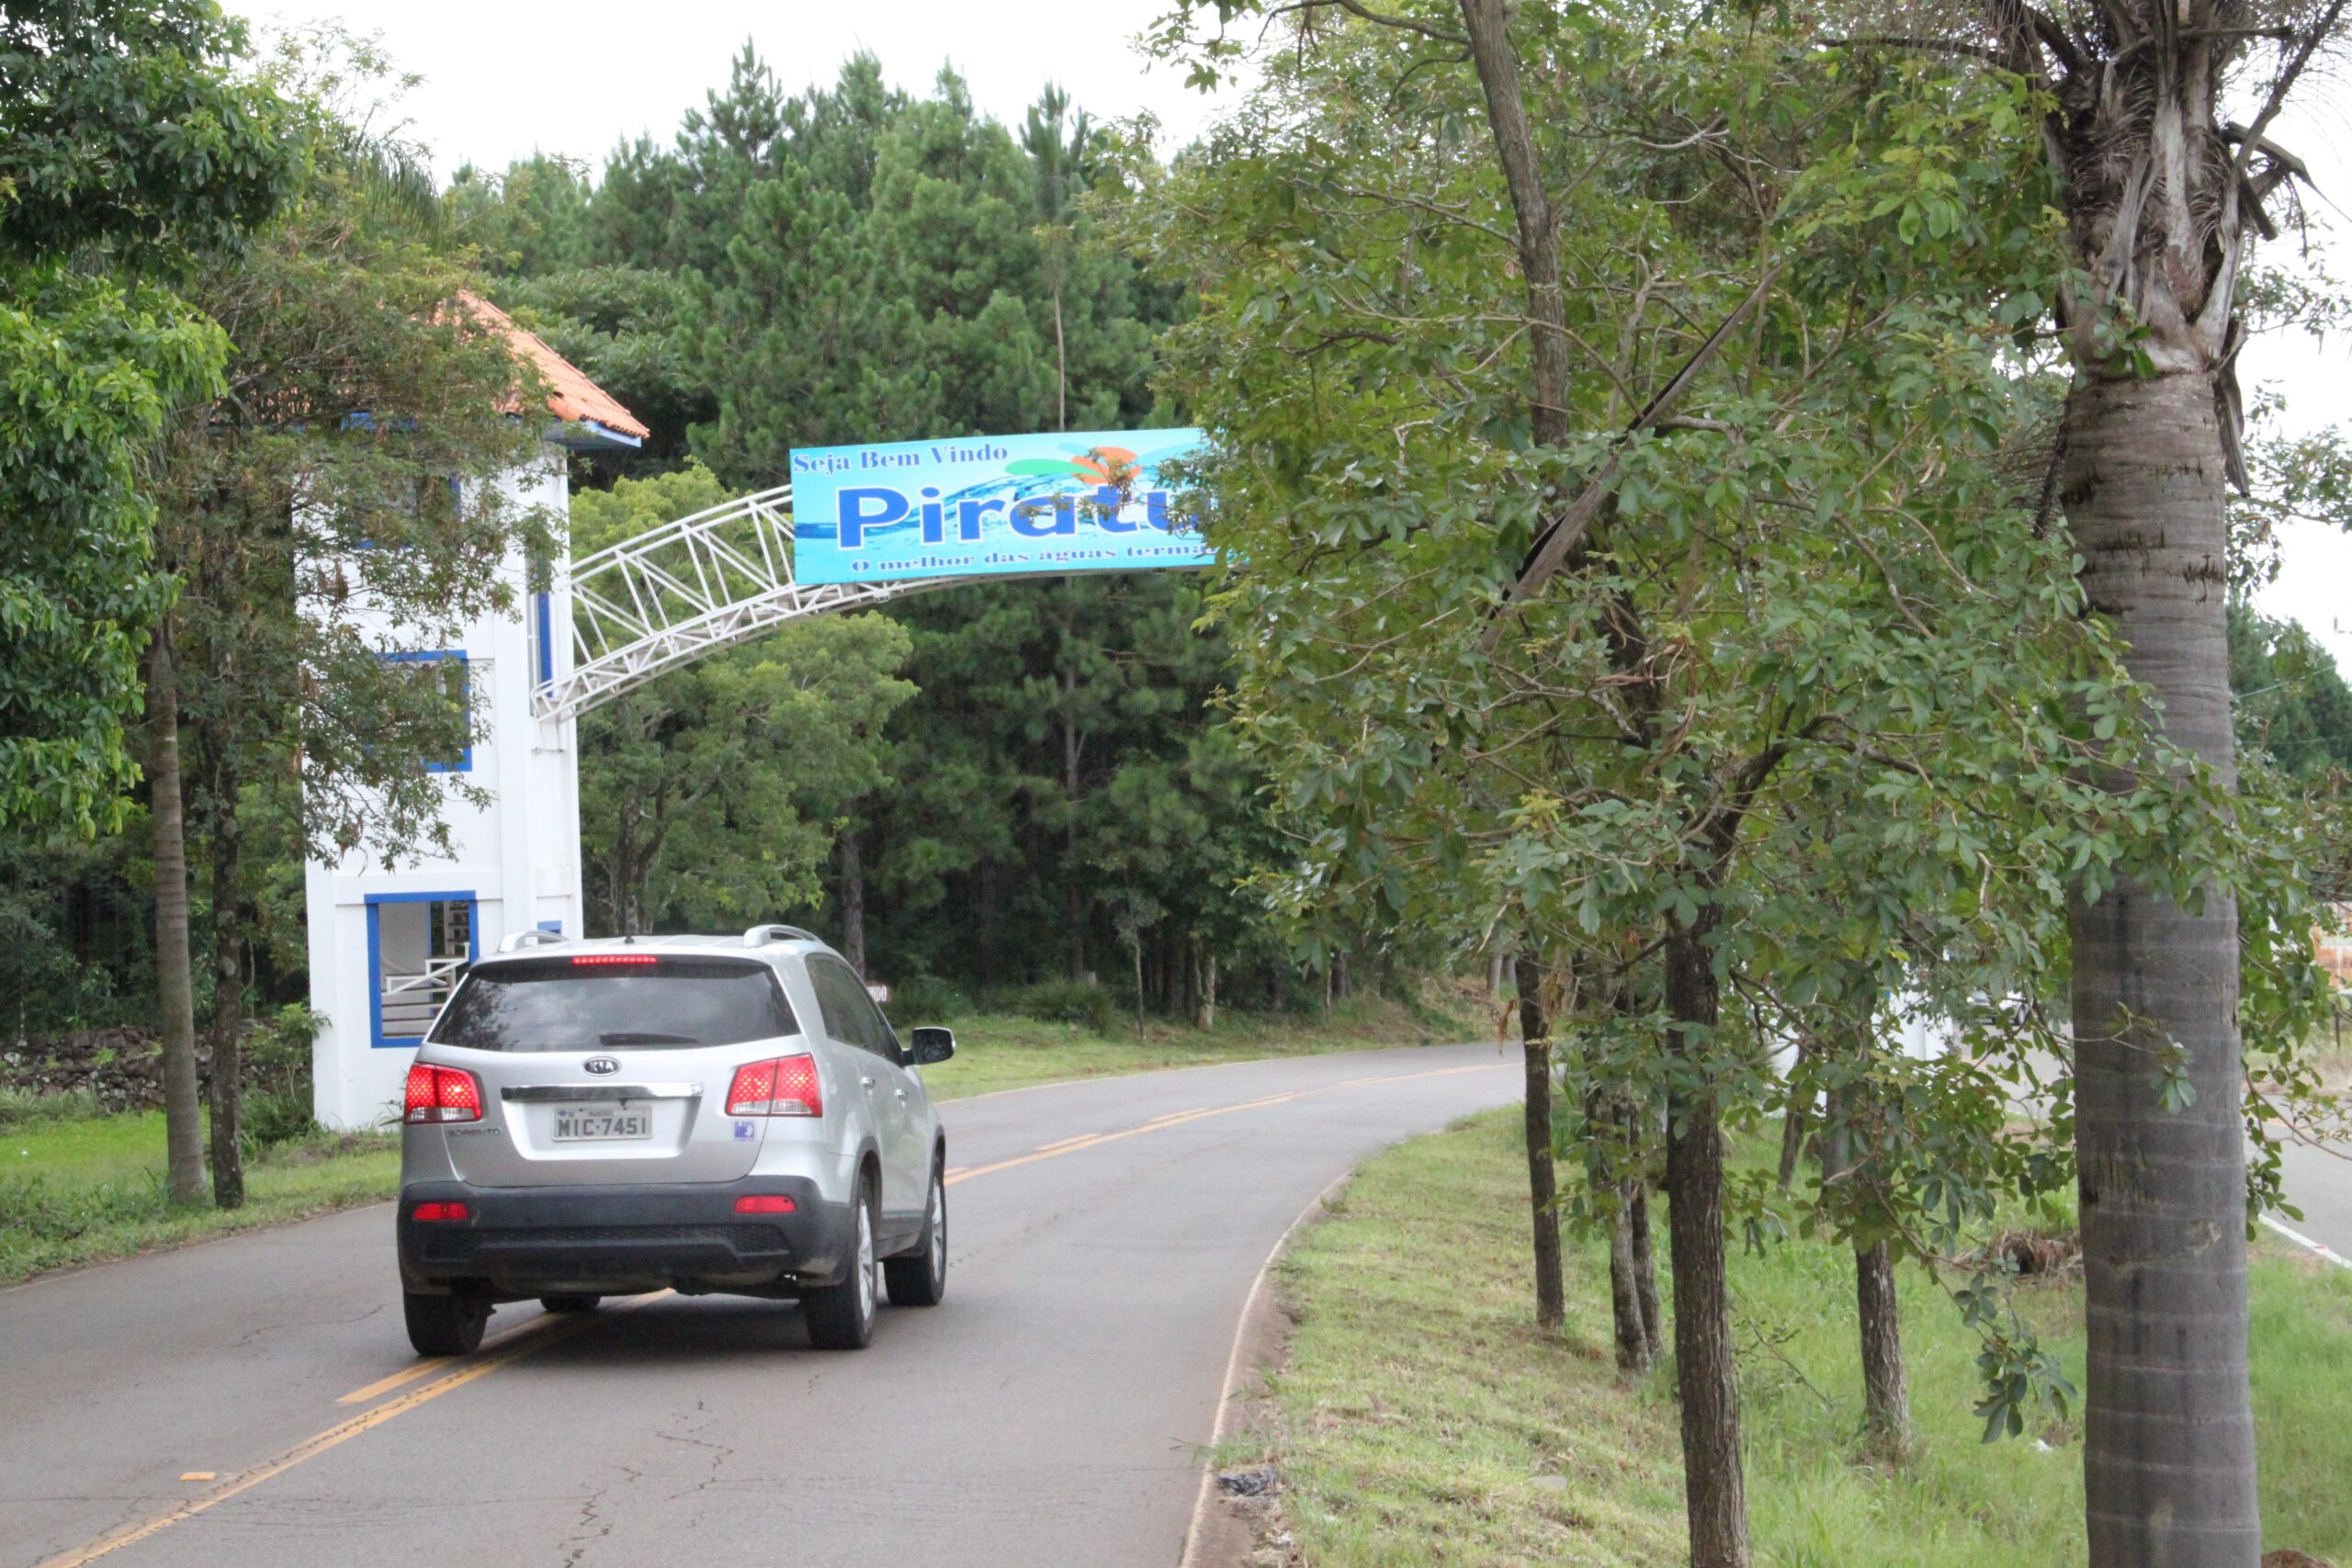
(674, 593)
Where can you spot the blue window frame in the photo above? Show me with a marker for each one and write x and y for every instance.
(464, 761)
(456, 906)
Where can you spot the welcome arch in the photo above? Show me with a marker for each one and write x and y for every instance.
(875, 524)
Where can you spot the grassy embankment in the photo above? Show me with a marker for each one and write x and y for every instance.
(1419, 1405)
(77, 1188)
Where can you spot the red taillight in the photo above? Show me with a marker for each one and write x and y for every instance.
(764, 1204)
(781, 1086)
(441, 1094)
(439, 1211)
(586, 959)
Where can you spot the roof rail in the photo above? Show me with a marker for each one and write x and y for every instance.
(534, 937)
(759, 936)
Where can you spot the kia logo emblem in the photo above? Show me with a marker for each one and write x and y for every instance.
(602, 1065)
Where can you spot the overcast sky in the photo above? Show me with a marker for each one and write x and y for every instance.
(503, 80)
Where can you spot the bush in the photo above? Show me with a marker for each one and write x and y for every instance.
(25, 1108)
(927, 998)
(277, 1116)
(1065, 1001)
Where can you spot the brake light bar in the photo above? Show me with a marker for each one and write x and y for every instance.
(441, 1094)
(781, 1085)
(587, 960)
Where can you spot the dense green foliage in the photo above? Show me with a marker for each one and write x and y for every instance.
(712, 799)
(128, 150)
(858, 263)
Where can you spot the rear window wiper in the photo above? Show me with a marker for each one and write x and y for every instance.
(645, 1037)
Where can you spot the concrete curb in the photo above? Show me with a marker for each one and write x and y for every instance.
(2300, 1239)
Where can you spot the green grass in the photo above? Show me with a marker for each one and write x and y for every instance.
(78, 1189)
(1421, 1406)
(999, 1051)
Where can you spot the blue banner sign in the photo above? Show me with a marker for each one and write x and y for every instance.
(1084, 501)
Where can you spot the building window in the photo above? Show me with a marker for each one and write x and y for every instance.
(450, 666)
(419, 946)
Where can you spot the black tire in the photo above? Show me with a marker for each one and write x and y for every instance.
(445, 1325)
(920, 1279)
(841, 1317)
(573, 1301)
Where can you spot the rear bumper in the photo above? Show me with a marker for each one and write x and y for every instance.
(522, 1241)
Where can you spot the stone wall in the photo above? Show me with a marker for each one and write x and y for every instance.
(120, 1065)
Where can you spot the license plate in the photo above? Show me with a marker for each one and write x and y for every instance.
(600, 1124)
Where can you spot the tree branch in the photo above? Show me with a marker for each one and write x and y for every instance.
(1553, 546)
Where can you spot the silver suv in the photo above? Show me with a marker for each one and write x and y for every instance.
(730, 1114)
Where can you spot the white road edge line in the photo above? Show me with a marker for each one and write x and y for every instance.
(2300, 1239)
(1233, 1366)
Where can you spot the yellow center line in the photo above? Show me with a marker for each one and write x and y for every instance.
(416, 1370)
(1178, 1119)
(532, 1336)
(334, 1436)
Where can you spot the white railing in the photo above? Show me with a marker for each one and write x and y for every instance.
(410, 1001)
(688, 588)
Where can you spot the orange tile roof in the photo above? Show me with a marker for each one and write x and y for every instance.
(570, 395)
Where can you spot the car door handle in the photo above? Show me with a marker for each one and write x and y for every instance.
(866, 1081)
(901, 1094)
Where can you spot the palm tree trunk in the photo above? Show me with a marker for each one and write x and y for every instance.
(1542, 1182)
(2169, 1432)
(1706, 1370)
(175, 964)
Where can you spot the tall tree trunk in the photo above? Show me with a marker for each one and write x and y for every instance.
(853, 901)
(1061, 366)
(2168, 1428)
(1714, 1488)
(226, 1035)
(1792, 1121)
(1542, 1185)
(1206, 1017)
(1624, 1286)
(1073, 896)
(1171, 971)
(1638, 1225)
(1887, 1399)
(175, 964)
(1135, 945)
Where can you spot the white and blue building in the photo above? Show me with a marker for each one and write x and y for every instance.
(386, 946)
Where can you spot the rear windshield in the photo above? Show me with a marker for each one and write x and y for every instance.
(555, 1004)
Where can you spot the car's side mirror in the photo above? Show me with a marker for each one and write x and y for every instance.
(932, 1043)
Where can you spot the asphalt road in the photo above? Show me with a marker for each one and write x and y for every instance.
(254, 1402)
(2319, 1182)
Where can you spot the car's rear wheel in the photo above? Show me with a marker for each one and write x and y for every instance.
(445, 1325)
(570, 1300)
(920, 1279)
(841, 1317)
